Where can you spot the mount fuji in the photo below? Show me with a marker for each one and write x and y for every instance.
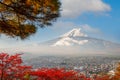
(74, 42)
(68, 39)
(76, 37)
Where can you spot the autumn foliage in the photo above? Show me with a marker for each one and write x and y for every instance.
(12, 68)
(117, 73)
(20, 18)
(54, 74)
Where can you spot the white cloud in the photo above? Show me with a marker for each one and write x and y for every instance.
(8, 42)
(73, 8)
(90, 29)
(63, 27)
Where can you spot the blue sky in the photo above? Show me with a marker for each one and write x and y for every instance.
(97, 18)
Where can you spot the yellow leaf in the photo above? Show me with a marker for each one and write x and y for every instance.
(28, 2)
(7, 2)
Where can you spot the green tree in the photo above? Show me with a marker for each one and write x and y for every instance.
(21, 18)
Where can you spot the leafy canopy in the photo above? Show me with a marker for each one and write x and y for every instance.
(11, 67)
(20, 18)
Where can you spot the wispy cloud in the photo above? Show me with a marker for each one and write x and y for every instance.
(63, 27)
(89, 29)
(40, 50)
(74, 8)
(8, 42)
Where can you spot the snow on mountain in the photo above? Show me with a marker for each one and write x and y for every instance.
(68, 38)
(76, 32)
(76, 38)
(66, 41)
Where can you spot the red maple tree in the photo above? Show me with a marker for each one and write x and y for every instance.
(54, 74)
(11, 67)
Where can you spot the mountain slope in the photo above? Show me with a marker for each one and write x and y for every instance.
(76, 37)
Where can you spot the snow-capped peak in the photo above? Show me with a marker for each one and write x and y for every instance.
(68, 39)
(76, 32)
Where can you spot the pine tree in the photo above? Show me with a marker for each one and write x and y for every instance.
(21, 18)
